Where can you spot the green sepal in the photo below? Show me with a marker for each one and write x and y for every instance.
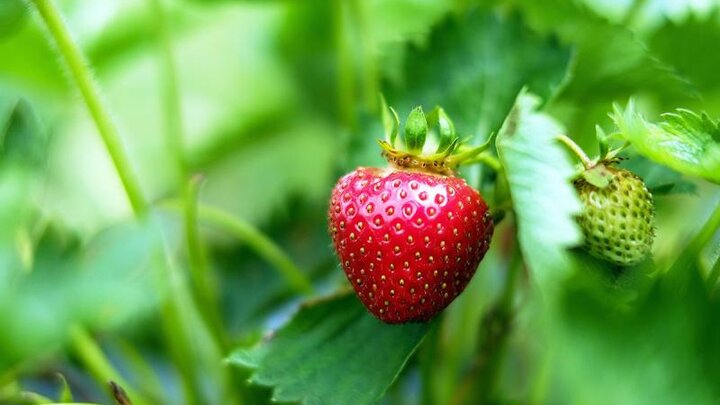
(598, 175)
(445, 127)
(602, 140)
(416, 129)
(451, 151)
(391, 122)
(467, 153)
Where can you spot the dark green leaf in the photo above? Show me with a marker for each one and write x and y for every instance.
(684, 141)
(691, 47)
(609, 61)
(332, 352)
(473, 66)
(538, 172)
(611, 336)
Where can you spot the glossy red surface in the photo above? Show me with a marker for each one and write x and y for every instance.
(409, 242)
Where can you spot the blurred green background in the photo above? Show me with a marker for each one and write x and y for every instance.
(241, 115)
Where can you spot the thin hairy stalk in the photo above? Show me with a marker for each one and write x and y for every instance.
(81, 341)
(693, 248)
(82, 77)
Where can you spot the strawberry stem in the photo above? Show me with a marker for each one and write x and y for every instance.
(486, 159)
(577, 150)
(80, 72)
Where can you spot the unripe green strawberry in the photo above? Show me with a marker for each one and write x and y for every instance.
(617, 219)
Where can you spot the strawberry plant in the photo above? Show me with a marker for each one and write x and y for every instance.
(217, 203)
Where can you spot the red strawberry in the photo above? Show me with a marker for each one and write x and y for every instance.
(409, 240)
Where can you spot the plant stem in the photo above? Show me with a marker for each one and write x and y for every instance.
(479, 383)
(257, 241)
(428, 357)
(486, 159)
(174, 132)
(261, 244)
(98, 365)
(203, 287)
(370, 77)
(141, 369)
(80, 72)
(697, 242)
(577, 150)
(346, 71)
(82, 343)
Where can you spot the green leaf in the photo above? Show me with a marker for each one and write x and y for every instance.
(416, 128)
(474, 66)
(538, 171)
(611, 336)
(609, 61)
(332, 352)
(23, 156)
(21, 138)
(690, 46)
(684, 141)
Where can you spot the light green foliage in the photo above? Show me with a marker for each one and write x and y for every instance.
(277, 100)
(538, 172)
(332, 352)
(684, 141)
(102, 284)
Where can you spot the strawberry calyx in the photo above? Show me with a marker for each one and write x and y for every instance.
(595, 171)
(429, 142)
